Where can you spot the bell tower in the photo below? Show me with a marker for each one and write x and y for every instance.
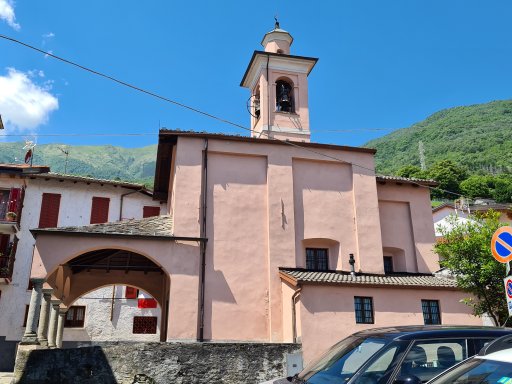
(278, 82)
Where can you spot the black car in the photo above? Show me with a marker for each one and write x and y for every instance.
(409, 354)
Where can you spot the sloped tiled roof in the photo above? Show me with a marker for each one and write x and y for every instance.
(157, 226)
(425, 281)
(408, 180)
(86, 179)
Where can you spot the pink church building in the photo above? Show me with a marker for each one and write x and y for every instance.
(266, 238)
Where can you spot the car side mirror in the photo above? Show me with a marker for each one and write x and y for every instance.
(407, 379)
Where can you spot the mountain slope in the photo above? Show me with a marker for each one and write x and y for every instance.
(106, 161)
(478, 137)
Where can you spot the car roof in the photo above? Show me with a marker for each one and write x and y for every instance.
(505, 355)
(433, 331)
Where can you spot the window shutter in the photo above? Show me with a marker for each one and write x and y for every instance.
(130, 293)
(50, 206)
(149, 211)
(99, 210)
(14, 200)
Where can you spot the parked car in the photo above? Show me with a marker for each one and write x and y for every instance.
(492, 365)
(399, 355)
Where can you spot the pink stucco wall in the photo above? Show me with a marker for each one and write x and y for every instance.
(327, 312)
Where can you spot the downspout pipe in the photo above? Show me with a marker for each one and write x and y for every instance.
(268, 99)
(294, 313)
(122, 198)
(203, 243)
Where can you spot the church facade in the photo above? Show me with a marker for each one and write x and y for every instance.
(266, 238)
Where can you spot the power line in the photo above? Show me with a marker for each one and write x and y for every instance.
(160, 97)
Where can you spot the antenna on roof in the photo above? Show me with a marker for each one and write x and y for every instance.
(64, 149)
(30, 147)
(276, 25)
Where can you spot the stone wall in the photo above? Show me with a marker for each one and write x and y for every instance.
(155, 363)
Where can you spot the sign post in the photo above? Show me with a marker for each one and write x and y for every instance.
(501, 248)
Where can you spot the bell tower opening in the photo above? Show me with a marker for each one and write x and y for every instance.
(284, 96)
(279, 89)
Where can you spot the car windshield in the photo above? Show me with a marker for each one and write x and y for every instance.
(477, 371)
(343, 360)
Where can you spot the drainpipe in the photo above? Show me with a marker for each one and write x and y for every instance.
(203, 243)
(294, 313)
(121, 203)
(268, 99)
(352, 261)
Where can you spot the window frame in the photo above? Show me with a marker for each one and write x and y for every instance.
(364, 312)
(390, 262)
(50, 210)
(100, 207)
(74, 322)
(429, 310)
(315, 259)
(144, 329)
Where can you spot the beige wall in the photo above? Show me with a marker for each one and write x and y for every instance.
(327, 312)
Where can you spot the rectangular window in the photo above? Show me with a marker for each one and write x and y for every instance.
(4, 250)
(144, 324)
(4, 203)
(364, 309)
(317, 259)
(131, 293)
(99, 210)
(149, 211)
(50, 205)
(388, 264)
(75, 317)
(431, 314)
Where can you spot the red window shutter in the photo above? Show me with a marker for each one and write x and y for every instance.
(130, 293)
(99, 210)
(14, 200)
(146, 303)
(149, 211)
(50, 206)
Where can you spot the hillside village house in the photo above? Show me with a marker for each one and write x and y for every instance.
(42, 199)
(268, 238)
(463, 209)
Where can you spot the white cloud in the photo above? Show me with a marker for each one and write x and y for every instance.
(48, 35)
(7, 14)
(25, 105)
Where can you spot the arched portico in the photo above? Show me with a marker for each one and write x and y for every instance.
(75, 260)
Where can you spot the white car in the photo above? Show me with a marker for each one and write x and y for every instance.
(493, 365)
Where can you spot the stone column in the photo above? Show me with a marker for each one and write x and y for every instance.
(52, 329)
(60, 326)
(30, 335)
(42, 330)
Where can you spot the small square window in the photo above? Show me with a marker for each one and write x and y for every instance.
(388, 264)
(431, 313)
(364, 309)
(145, 324)
(75, 317)
(317, 259)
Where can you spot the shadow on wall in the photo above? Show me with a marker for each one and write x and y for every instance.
(62, 366)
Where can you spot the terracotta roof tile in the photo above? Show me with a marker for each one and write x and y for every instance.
(408, 180)
(85, 179)
(425, 281)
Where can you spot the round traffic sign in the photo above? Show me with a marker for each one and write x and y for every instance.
(509, 288)
(501, 244)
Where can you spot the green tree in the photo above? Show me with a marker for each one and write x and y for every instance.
(411, 171)
(448, 175)
(502, 192)
(466, 251)
(476, 186)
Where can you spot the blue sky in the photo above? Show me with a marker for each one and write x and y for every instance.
(383, 64)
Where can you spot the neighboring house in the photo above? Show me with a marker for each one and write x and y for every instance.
(463, 212)
(41, 199)
(260, 235)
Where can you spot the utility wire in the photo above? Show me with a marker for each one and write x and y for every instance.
(150, 93)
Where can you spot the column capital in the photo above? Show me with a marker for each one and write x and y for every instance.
(63, 311)
(37, 281)
(47, 292)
